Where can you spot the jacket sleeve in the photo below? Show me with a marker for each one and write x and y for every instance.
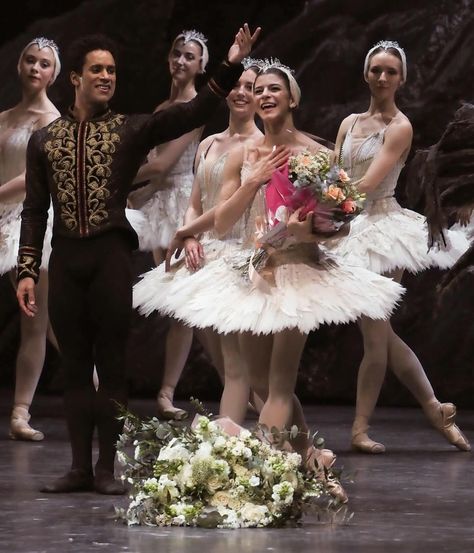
(34, 216)
(181, 118)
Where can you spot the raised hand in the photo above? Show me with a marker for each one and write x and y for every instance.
(243, 43)
(263, 169)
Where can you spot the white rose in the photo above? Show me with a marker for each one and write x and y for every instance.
(254, 481)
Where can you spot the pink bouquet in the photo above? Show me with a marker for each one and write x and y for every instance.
(311, 183)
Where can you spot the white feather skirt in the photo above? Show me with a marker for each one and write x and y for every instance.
(10, 226)
(386, 237)
(302, 296)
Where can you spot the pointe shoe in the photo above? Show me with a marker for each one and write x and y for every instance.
(319, 459)
(361, 442)
(444, 422)
(19, 427)
(106, 484)
(336, 490)
(75, 480)
(166, 410)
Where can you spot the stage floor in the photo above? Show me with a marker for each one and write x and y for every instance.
(418, 497)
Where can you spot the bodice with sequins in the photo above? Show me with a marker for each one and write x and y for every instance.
(357, 154)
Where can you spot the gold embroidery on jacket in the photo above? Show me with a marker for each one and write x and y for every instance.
(61, 154)
(99, 146)
(28, 266)
(99, 149)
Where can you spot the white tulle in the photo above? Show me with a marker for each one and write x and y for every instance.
(303, 297)
(10, 225)
(165, 210)
(386, 237)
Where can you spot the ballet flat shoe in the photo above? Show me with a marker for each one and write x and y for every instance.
(73, 481)
(106, 484)
(19, 427)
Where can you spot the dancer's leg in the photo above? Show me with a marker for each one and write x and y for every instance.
(369, 381)
(284, 363)
(408, 369)
(211, 342)
(256, 351)
(178, 345)
(110, 301)
(29, 364)
(72, 326)
(235, 397)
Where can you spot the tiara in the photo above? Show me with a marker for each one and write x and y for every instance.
(192, 34)
(251, 62)
(386, 44)
(273, 63)
(44, 42)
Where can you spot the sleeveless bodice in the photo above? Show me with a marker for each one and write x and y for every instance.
(254, 220)
(357, 154)
(209, 176)
(13, 143)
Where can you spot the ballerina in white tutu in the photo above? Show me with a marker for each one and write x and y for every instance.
(199, 221)
(165, 199)
(297, 290)
(38, 67)
(388, 239)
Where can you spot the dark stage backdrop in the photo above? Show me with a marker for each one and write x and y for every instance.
(325, 42)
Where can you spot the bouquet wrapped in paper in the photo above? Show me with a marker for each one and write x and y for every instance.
(310, 182)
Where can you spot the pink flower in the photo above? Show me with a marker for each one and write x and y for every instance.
(343, 176)
(348, 206)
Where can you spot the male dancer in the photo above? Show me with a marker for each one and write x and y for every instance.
(85, 163)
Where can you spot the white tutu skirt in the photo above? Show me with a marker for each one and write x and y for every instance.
(301, 296)
(386, 237)
(10, 226)
(164, 212)
(137, 220)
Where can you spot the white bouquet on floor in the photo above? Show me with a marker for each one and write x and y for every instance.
(204, 476)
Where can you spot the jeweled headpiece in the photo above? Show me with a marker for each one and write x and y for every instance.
(43, 42)
(274, 63)
(252, 62)
(196, 36)
(385, 46)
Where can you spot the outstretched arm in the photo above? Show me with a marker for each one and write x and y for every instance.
(181, 118)
(167, 157)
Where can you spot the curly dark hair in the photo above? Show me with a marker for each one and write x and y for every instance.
(79, 48)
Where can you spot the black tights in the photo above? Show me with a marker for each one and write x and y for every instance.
(90, 304)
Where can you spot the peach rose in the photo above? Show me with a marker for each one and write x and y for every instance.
(335, 193)
(343, 176)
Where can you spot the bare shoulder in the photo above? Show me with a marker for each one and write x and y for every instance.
(347, 122)
(46, 118)
(5, 114)
(205, 143)
(312, 145)
(400, 127)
